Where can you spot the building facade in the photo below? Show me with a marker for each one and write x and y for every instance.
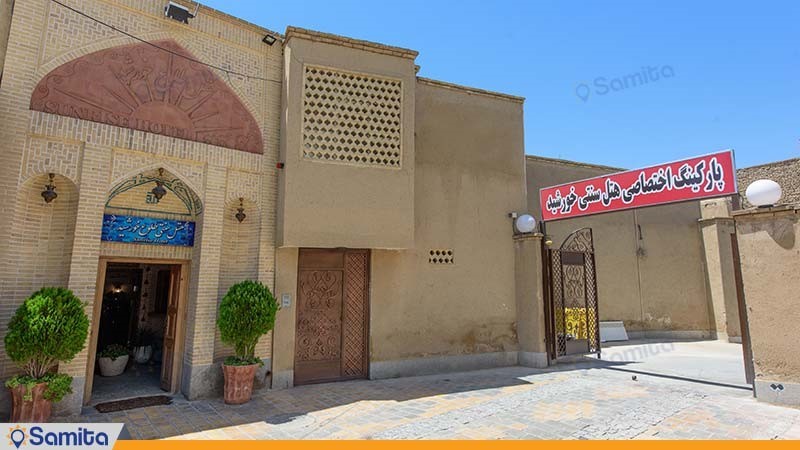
(148, 164)
(372, 199)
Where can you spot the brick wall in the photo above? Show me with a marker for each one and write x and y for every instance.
(90, 158)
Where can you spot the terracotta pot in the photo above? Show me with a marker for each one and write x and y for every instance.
(238, 383)
(37, 409)
(112, 367)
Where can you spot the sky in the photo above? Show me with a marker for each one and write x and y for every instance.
(620, 83)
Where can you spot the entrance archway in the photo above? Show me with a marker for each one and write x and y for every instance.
(141, 293)
(573, 322)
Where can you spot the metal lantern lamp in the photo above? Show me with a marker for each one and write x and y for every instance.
(240, 215)
(159, 191)
(49, 193)
(763, 193)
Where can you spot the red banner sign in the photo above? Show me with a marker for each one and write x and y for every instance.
(690, 179)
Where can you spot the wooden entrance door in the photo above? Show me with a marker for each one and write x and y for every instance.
(171, 328)
(332, 315)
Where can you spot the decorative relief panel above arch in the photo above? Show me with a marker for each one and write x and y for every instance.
(144, 88)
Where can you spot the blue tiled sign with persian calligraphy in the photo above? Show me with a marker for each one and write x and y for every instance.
(146, 230)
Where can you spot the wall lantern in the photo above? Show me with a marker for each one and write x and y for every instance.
(159, 191)
(49, 193)
(240, 215)
(525, 223)
(761, 193)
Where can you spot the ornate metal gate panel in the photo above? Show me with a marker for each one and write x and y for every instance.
(574, 323)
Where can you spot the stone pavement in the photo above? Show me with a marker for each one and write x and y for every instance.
(579, 401)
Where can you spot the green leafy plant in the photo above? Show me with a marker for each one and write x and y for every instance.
(113, 351)
(48, 328)
(246, 313)
(58, 385)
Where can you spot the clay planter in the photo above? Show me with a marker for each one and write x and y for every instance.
(112, 368)
(238, 383)
(36, 410)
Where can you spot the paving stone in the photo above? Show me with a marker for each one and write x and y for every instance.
(574, 402)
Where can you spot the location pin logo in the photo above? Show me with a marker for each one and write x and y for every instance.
(583, 91)
(17, 437)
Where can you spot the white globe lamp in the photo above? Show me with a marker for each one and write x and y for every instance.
(525, 223)
(763, 193)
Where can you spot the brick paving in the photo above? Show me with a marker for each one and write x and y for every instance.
(567, 402)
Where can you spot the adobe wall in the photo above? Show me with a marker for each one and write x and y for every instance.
(650, 261)
(769, 248)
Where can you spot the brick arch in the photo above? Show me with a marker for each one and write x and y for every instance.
(43, 234)
(172, 180)
(39, 175)
(141, 87)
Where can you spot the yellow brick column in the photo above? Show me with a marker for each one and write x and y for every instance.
(92, 193)
(200, 376)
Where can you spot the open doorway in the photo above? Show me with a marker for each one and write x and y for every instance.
(135, 330)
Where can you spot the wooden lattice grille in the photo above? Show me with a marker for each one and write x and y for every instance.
(355, 314)
(351, 118)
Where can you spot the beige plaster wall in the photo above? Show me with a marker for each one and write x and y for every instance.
(717, 228)
(650, 271)
(468, 177)
(342, 204)
(769, 249)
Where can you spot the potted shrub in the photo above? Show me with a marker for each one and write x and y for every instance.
(48, 328)
(246, 313)
(112, 360)
(143, 348)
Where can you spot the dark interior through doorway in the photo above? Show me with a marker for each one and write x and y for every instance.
(133, 317)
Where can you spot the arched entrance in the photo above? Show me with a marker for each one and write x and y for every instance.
(142, 287)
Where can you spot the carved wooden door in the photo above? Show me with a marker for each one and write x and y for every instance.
(332, 311)
(170, 328)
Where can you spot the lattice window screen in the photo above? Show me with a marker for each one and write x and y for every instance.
(351, 118)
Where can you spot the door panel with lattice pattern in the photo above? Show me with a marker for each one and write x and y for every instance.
(332, 315)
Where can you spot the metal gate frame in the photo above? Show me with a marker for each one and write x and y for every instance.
(576, 254)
